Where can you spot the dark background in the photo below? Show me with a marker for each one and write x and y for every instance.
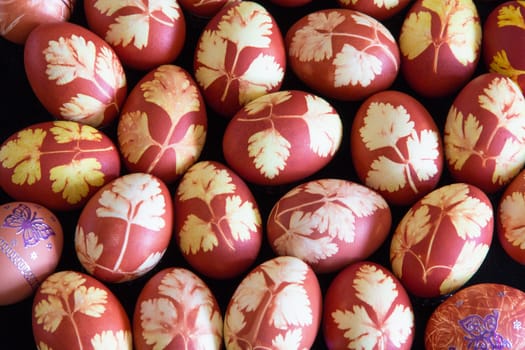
(20, 108)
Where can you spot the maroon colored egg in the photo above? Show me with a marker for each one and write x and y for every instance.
(366, 307)
(218, 226)
(144, 34)
(162, 127)
(442, 240)
(205, 8)
(503, 35)
(484, 132)
(282, 137)
(74, 73)
(342, 54)
(125, 228)
(31, 242)
(277, 305)
(239, 56)
(291, 3)
(58, 164)
(510, 220)
(176, 310)
(380, 10)
(328, 223)
(74, 311)
(396, 147)
(18, 18)
(481, 316)
(440, 46)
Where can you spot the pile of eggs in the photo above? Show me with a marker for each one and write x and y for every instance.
(283, 174)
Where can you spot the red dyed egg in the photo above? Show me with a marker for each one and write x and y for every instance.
(276, 306)
(74, 73)
(144, 34)
(282, 137)
(162, 128)
(342, 54)
(205, 8)
(31, 242)
(74, 311)
(328, 223)
(481, 316)
(218, 226)
(177, 310)
(125, 228)
(291, 3)
(396, 147)
(378, 9)
(366, 307)
(442, 240)
(484, 132)
(18, 18)
(239, 56)
(503, 37)
(58, 164)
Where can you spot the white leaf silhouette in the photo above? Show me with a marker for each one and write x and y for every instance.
(263, 75)
(355, 67)
(509, 162)
(204, 180)
(324, 126)
(270, 151)
(291, 340)
(82, 107)
(461, 136)
(512, 219)
(396, 179)
(423, 152)
(211, 54)
(243, 218)
(291, 307)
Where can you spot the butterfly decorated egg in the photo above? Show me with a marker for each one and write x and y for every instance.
(366, 307)
(380, 10)
(396, 147)
(239, 56)
(31, 242)
(282, 137)
(510, 219)
(277, 305)
(73, 310)
(479, 316)
(162, 127)
(124, 230)
(144, 34)
(484, 132)
(204, 8)
(442, 240)
(218, 226)
(356, 53)
(503, 33)
(328, 223)
(74, 73)
(20, 17)
(177, 310)
(59, 164)
(440, 46)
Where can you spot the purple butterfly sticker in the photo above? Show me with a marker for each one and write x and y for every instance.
(482, 332)
(32, 228)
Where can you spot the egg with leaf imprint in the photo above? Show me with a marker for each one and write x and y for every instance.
(291, 3)
(479, 316)
(510, 220)
(162, 127)
(74, 73)
(503, 35)
(177, 310)
(442, 240)
(366, 307)
(342, 54)
(380, 10)
(328, 223)
(484, 132)
(282, 137)
(440, 46)
(144, 34)
(19, 18)
(73, 310)
(124, 230)
(31, 242)
(277, 305)
(58, 164)
(218, 226)
(239, 56)
(396, 147)
(204, 8)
